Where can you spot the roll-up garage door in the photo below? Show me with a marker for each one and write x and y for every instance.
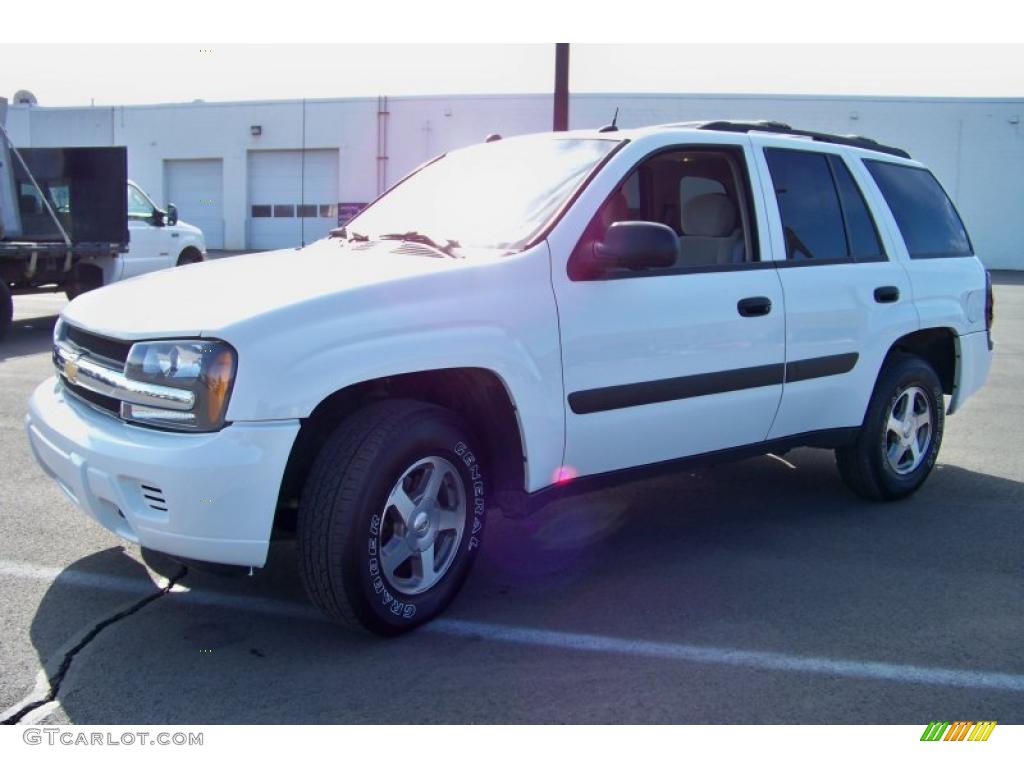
(293, 196)
(196, 187)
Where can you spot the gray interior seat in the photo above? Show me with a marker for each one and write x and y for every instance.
(711, 234)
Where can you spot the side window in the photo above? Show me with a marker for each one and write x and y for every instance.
(139, 206)
(929, 223)
(701, 193)
(861, 233)
(812, 222)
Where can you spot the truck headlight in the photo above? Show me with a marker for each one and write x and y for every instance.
(204, 367)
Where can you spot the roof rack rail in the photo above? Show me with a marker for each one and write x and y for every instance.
(773, 126)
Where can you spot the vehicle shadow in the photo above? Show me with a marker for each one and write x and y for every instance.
(28, 336)
(768, 554)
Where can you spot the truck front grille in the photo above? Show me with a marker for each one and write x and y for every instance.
(110, 353)
(96, 346)
(103, 402)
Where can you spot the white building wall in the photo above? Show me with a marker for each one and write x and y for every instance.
(975, 146)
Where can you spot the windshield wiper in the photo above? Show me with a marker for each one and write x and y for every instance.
(419, 237)
(352, 237)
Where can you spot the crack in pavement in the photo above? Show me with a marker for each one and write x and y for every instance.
(57, 678)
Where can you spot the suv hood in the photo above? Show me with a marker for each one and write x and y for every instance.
(205, 298)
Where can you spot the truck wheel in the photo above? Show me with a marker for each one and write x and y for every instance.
(901, 435)
(86, 279)
(6, 308)
(391, 517)
(189, 256)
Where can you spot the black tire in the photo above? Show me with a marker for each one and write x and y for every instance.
(342, 517)
(864, 465)
(86, 279)
(189, 256)
(6, 308)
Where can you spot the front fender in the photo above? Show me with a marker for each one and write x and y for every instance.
(500, 317)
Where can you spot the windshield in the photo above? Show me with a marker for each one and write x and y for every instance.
(494, 195)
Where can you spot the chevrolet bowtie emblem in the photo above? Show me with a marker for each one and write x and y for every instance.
(71, 370)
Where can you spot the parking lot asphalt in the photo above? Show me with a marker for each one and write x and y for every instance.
(756, 592)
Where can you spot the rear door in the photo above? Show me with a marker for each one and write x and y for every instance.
(848, 296)
(666, 363)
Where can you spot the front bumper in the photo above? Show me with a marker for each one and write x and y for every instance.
(208, 496)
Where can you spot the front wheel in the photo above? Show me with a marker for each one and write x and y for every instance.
(189, 256)
(901, 435)
(391, 517)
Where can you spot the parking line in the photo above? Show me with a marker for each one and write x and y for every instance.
(734, 657)
(69, 577)
(569, 641)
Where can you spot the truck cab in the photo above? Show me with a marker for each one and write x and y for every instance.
(157, 238)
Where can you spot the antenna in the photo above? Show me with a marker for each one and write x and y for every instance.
(613, 126)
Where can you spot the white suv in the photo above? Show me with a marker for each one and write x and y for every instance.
(514, 321)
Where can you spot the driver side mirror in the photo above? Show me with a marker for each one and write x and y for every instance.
(172, 215)
(637, 245)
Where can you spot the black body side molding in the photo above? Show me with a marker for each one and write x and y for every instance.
(683, 387)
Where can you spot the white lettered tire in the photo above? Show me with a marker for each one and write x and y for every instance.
(900, 438)
(391, 517)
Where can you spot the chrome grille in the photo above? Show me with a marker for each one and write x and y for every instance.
(97, 346)
(93, 376)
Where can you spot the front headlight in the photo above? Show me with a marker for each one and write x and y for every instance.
(204, 367)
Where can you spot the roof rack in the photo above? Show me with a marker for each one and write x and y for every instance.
(773, 126)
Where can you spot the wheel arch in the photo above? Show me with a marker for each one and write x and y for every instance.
(478, 396)
(938, 347)
(190, 254)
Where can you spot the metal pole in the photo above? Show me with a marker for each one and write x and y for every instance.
(561, 122)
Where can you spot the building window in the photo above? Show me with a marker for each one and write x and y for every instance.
(261, 211)
(306, 212)
(284, 211)
(328, 211)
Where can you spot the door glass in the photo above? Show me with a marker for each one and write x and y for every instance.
(702, 194)
(139, 206)
(860, 227)
(812, 222)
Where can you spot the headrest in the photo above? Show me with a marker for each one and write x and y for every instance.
(711, 215)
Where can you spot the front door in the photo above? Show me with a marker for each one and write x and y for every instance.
(673, 362)
(148, 239)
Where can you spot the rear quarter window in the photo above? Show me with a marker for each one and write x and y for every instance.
(928, 221)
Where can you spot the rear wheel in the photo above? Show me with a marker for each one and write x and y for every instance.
(6, 308)
(899, 441)
(391, 517)
(86, 278)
